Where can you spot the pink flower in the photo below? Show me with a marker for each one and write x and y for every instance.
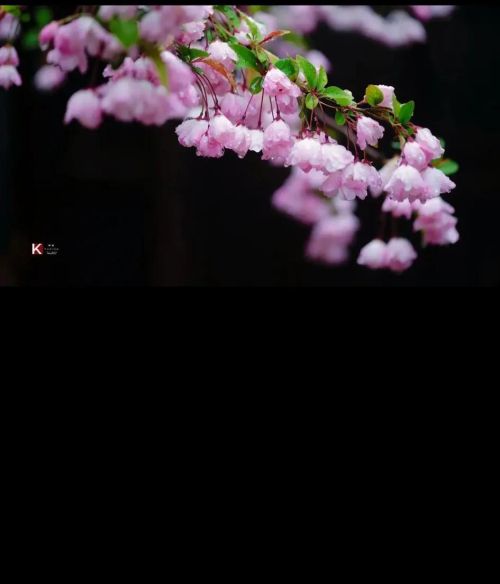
(209, 147)
(415, 155)
(278, 141)
(437, 223)
(85, 107)
(47, 34)
(190, 132)
(385, 174)
(8, 56)
(388, 92)
(241, 141)
(335, 157)
(77, 39)
(129, 99)
(318, 59)
(277, 83)
(332, 183)
(49, 78)
(159, 23)
(400, 255)
(306, 154)
(298, 199)
(398, 208)
(374, 255)
(191, 32)
(9, 27)
(430, 144)
(331, 238)
(357, 178)
(369, 132)
(123, 12)
(223, 54)
(9, 76)
(287, 104)
(405, 183)
(222, 130)
(180, 76)
(425, 12)
(233, 106)
(436, 183)
(219, 83)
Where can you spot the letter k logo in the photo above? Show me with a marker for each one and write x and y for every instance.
(37, 249)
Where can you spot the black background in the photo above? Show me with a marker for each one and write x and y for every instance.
(127, 206)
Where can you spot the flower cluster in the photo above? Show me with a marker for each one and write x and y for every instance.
(134, 93)
(397, 29)
(9, 61)
(212, 68)
(415, 179)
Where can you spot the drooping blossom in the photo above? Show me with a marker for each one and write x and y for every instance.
(374, 255)
(190, 132)
(388, 92)
(49, 78)
(415, 155)
(369, 132)
(436, 221)
(331, 238)
(85, 107)
(300, 198)
(306, 154)
(276, 83)
(430, 144)
(400, 254)
(356, 179)
(278, 141)
(406, 183)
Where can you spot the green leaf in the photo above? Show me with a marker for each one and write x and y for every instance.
(340, 96)
(254, 29)
(309, 71)
(373, 95)
(154, 53)
(223, 33)
(311, 101)
(230, 13)
(256, 85)
(262, 56)
(289, 68)
(126, 31)
(340, 118)
(406, 112)
(30, 39)
(396, 106)
(14, 9)
(322, 79)
(447, 166)
(246, 58)
(43, 15)
(187, 54)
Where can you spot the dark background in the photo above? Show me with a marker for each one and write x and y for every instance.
(127, 206)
